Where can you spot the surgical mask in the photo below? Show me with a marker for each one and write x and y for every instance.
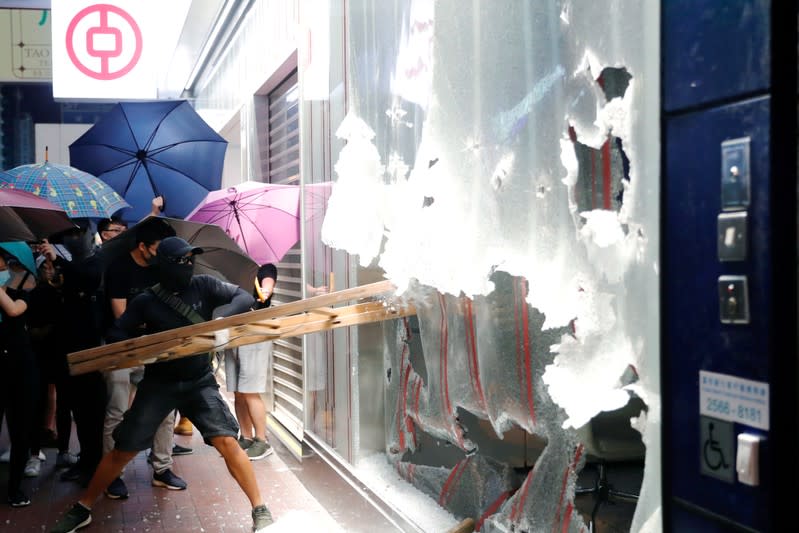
(5, 276)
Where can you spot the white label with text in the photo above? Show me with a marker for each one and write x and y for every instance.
(735, 399)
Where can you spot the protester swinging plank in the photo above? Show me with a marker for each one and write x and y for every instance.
(287, 320)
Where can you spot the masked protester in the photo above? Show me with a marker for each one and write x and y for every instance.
(186, 384)
(78, 323)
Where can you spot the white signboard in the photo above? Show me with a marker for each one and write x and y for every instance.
(113, 49)
(25, 47)
(735, 399)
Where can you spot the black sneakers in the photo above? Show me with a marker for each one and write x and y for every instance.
(261, 518)
(117, 490)
(177, 449)
(19, 499)
(77, 474)
(77, 517)
(168, 480)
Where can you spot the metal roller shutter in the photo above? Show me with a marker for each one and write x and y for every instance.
(279, 142)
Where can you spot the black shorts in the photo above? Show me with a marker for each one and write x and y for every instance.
(199, 400)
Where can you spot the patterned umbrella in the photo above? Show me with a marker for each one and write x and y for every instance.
(80, 194)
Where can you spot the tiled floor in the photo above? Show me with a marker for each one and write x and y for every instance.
(212, 503)
(303, 496)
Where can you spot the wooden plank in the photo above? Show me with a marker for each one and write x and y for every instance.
(259, 316)
(173, 350)
(243, 329)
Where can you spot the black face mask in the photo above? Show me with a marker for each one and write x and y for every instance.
(174, 277)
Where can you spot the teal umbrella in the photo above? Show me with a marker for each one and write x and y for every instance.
(22, 252)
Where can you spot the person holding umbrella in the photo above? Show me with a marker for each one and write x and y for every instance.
(188, 384)
(78, 326)
(246, 373)
(18, 369)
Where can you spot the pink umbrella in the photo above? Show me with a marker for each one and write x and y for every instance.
(263, 218)
(27, 217)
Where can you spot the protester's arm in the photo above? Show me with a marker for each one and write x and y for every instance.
(128, 324)
(10, 306)
(241, 302)
(118, 306)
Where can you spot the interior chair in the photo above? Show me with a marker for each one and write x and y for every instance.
(609, 439)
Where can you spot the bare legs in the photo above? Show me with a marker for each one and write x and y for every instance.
(239, 466)
(251, 413)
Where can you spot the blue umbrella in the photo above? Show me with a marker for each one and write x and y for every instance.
(148, 149)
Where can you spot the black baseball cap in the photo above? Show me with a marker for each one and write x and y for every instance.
(176, 247)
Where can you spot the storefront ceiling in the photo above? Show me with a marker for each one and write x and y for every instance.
(190, 48)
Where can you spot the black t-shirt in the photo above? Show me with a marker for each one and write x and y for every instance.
(14, 329)
(207, 295)
(126, 279)
(79, 322)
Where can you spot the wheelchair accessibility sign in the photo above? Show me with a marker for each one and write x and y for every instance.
(717, 449)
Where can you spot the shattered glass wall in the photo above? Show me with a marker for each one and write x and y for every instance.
(500, 164)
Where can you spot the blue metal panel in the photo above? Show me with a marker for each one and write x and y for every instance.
(714, 49)
(695, 338)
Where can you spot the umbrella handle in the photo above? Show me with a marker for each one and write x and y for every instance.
(331, 287)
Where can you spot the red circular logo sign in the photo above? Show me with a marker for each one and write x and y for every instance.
(103, 42)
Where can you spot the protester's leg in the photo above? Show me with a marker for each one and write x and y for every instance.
(18, 435)
(253, 369)
(110, 468)
(243, 415)
(63, 412)
(239, 466)
(39, 423)
(118, 387)
(135, 433)
(257, 413)
(212, 417)
(89, 410)
(49, 428)
(162, 444)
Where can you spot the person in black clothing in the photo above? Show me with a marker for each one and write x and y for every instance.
(127, 276)
(44, 299)
(78, 326)
(186, 383)
(18, 370)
